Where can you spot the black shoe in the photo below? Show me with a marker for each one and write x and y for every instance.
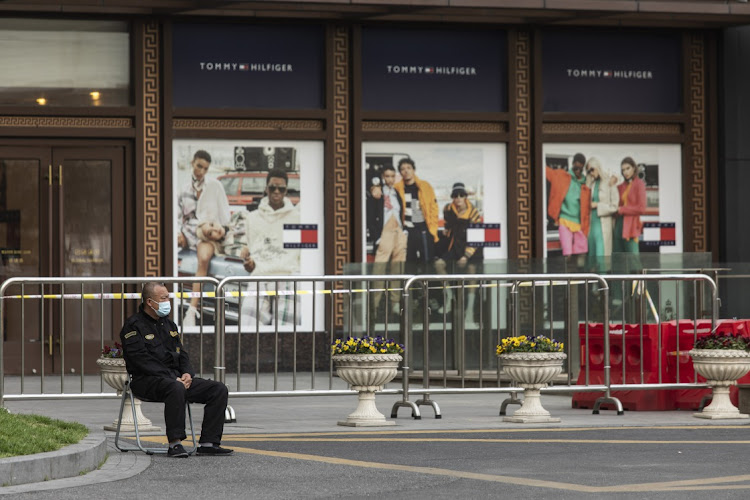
(177, 451)
(214, 450)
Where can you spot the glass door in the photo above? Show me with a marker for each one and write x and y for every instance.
(25, 195)
(61, 214)
(87, 242)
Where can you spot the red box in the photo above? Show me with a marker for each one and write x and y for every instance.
(672, 353)
(626, 364)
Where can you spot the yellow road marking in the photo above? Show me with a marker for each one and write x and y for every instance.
(712, 483)
(477, 440)
(515, 480)
(493, 430)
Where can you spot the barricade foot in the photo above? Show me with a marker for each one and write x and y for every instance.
(512, 400)
(603, 400)
(429, 402)
(229, 416)
(416, 415)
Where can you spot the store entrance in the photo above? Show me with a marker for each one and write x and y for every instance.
(61, 214)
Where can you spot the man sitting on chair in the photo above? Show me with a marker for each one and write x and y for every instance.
(161, 371)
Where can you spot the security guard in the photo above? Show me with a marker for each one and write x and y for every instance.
(161, 371)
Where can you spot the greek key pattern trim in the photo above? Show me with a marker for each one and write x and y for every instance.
(341, 153)
(611, 128)
(524, 187)
(151, 148)
(65, 122)
(197, 124)
(697, 133)
(417, 126)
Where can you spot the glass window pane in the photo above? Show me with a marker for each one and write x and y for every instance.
(87, 222)
(19, 218)
(64, 63)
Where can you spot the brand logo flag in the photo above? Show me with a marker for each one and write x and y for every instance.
(300, 236)
(244, 67)
(659, 234)
(483, 235)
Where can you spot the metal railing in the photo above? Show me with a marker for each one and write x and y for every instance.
(514, 283)
(545, 323)
(321, 308)
(276, 354)
(39, 296)
(645, 307)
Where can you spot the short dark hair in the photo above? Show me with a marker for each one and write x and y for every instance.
(579, 158)
(148, 290)
(387, 167)
(406, 160)
(203, 155)
(278, 173)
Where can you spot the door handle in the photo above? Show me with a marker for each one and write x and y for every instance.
(51, 352)
(59, 176)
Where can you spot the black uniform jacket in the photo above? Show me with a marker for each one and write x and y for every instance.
(152, 347)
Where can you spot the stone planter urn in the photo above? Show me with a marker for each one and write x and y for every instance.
(366, 373)
(115, 375)
(721, 368)
(532, 371)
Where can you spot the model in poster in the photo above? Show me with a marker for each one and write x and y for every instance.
(267, 255)
(632, 205)
(200, 199)
(385, 223)
(420, 214)
(568, 206)
(453, 247)
(604, 202)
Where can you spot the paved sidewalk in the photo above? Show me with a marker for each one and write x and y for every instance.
(275, 415)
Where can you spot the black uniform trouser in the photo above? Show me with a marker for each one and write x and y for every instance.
(173, 394)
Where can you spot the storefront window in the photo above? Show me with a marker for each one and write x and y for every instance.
(64, 63)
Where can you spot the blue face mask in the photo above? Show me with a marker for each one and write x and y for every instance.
(164, 308)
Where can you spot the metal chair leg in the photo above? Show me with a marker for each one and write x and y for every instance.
(128, 393)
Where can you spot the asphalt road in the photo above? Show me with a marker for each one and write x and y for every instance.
(680, 462)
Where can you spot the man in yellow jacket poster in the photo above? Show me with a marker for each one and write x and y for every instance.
(420, 209)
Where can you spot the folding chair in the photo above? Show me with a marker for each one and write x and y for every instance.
(127, 393)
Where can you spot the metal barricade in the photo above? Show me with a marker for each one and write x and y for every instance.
(295, 346)
(299, 316)
(459, 283)
(29, 304)
(638, 298)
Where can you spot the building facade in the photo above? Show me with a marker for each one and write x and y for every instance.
(106, 105)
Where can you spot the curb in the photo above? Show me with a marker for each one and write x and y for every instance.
(69, 461)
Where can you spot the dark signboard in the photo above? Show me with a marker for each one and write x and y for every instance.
(611, 72)
(434, 70)
(248, 66)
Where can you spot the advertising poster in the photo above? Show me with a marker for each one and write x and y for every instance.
(234, 219)
(586, 191)
(472, 174)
